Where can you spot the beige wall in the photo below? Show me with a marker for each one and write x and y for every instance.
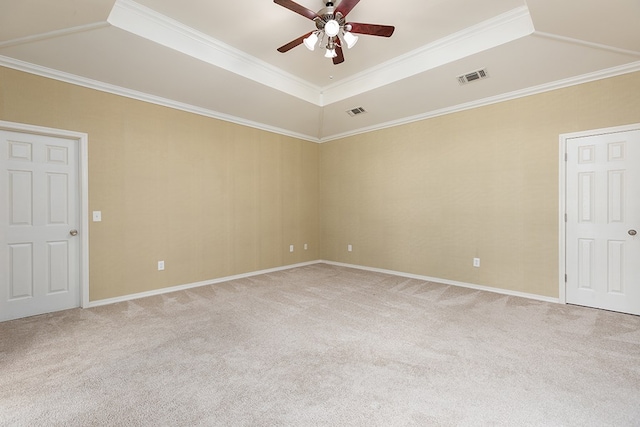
(214, 199)
(210, 198)
(427, 197)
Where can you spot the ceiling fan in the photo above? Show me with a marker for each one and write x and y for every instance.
(332, 28)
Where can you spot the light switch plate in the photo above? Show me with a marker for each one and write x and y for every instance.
(97, 216)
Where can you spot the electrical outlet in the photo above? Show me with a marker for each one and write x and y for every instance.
(349, 248)
(476, 262)
(290, 248)
(160, 265)
(306, 246)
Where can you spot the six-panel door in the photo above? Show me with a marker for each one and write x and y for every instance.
(39, 183)
(603, 216)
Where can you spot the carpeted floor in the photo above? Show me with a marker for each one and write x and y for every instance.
(322, 345)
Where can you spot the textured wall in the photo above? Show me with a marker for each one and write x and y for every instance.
(427, 197)
(213, 199)
(210, 198)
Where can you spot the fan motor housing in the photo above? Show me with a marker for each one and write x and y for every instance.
(327, 14)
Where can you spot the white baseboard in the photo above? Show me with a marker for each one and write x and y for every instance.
(154, 292)
(448, 282)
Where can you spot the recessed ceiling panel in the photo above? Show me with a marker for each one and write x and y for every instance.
(259, 27)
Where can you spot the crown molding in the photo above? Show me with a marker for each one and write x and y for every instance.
(560, 84)
(141, 96)
(151, 25)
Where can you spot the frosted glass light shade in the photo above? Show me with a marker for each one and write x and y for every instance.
(350, 39)
(310, 42)
(330, 53)
(332, 28)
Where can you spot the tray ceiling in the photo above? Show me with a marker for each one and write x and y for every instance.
(219, 59)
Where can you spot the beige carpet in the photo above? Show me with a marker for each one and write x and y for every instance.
(322, 345)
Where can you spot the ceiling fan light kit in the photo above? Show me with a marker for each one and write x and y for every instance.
(332, 27)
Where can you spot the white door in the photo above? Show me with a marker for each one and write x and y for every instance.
(603, 218)
(39, 216)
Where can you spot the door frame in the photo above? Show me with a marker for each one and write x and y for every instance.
(562, 204)
(82, 140)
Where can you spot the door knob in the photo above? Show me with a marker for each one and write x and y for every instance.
(74, 232)
(632, 232)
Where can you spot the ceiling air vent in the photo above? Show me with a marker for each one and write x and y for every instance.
(356, 111)
(473, 76)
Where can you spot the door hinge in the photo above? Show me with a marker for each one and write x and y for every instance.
(566, 157)
(565, 278)
(565, 217)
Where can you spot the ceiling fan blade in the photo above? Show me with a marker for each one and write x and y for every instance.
(293, 43)
(340, 58)
(345, 6)
(295, 7)
(372, 29)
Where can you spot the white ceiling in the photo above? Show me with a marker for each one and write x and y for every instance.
(219, 58)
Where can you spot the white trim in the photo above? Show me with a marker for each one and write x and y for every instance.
(601, 131)
(170, 289)
(162, 291)
(152, 99)
(562, 191)
(562, 210)
(83, 176)
(83, 156)
(447, 282)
